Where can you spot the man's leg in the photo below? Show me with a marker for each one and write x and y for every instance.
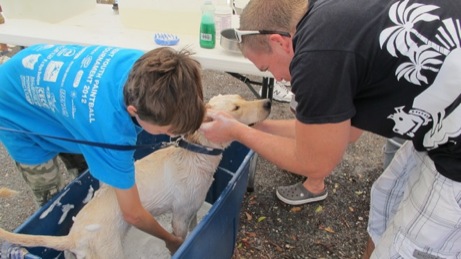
(75, 163)
(390, 148)
(426, 222)
(386, 194)
(369, 249)
(315, 185)
(45, 179)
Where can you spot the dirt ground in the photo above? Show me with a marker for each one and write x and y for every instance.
(333, 228)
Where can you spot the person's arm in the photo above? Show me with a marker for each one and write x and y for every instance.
(135, 214)
(284, 128)
(355, 134)
(314, 152)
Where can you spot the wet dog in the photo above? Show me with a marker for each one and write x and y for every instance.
(172, 179)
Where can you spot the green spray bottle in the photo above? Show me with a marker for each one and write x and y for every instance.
(207, 26)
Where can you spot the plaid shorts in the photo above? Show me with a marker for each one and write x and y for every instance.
(415, 211)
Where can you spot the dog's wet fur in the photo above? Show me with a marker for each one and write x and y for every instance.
(169, 180)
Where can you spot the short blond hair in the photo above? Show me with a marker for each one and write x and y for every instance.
(279, 15)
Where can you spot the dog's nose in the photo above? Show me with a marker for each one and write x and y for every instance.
(267, 104)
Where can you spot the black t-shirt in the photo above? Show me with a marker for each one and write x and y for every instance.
(392, 67)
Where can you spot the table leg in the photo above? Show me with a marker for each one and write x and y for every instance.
(267, 85)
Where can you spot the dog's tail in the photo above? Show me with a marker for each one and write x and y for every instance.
(6, 192)
(60, 243)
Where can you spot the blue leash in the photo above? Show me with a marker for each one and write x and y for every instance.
(85, 142)
(175, 141)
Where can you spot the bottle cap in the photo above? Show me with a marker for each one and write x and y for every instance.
(223, 10)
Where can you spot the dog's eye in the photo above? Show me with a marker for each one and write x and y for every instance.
(236, 108)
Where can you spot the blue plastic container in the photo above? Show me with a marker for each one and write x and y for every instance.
(213, 237)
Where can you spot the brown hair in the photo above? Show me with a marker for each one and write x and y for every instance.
(165, 86)
(278, 15)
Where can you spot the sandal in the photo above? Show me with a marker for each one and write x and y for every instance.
(296, 194)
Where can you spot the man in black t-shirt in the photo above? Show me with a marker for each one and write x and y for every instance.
(388, 67)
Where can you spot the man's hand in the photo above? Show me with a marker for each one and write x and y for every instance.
(174, 243)
(221, 128)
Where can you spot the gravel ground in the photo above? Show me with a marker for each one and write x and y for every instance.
(334, 228)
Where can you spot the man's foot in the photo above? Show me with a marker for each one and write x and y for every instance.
(280, 93)
(296, 194)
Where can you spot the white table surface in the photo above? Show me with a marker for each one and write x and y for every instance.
(101, 26)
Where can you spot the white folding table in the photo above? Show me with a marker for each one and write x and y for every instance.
(100, 26)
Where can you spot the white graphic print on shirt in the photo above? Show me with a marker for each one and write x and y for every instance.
(423, 55)
(65, 81)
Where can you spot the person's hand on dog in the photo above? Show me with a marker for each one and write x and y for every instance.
(219, 126)
(174, 244)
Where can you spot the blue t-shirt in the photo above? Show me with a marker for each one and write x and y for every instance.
(73, 92)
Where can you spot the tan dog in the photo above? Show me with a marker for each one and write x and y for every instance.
(172, 180)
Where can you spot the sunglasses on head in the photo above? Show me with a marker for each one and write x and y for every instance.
(240, 33)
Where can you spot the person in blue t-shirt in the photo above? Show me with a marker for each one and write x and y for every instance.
(99, 94)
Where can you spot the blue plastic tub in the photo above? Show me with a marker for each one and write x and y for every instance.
(213, 237)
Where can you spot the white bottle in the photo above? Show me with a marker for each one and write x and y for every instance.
(223, 19)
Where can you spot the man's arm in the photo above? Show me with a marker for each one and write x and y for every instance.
(285, 128)
(135, 214)
(315, 150)
(355, 134)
